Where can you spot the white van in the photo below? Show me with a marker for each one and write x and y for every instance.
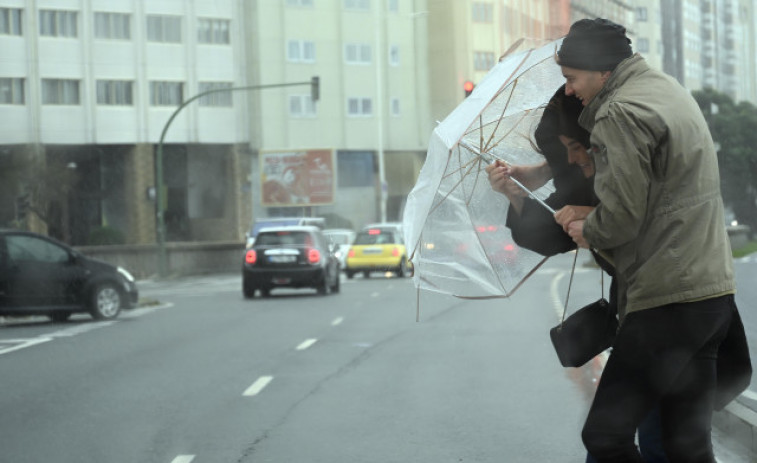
(319, 222)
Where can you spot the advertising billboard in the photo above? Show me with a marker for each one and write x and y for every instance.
(297, 178)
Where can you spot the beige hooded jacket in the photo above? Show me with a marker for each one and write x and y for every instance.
(661, 213)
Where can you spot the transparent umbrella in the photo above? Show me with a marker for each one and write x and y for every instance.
(454, 222)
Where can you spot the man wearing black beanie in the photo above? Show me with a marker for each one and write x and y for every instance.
(660, 217)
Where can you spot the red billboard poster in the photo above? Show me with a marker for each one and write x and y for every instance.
(297, 178)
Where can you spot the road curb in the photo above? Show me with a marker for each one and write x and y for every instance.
(739, 423)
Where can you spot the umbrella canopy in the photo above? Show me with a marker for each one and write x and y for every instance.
(454, 222)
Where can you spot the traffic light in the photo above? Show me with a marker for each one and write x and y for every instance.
(315, 88)
(468, 86)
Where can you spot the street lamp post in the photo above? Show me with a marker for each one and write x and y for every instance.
(314, 83)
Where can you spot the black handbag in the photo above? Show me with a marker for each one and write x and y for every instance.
(585, 333)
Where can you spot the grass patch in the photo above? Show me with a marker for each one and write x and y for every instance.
(745, 250)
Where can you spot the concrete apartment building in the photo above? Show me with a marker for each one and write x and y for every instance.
(88, 86)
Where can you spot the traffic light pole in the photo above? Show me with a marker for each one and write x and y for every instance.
(315, 85)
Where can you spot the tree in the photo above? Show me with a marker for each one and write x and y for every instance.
(734, 129)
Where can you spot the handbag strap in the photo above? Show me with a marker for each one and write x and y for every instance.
(570, 284)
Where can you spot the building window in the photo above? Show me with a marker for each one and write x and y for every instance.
(642, 45)
(301, 106)
(483, 60)
(166, 93)
(483, 12)
(302, 3)
(641, 14)
(359, 107)
(393, 6)
(165, 29)
(357, 53)
(213, 31)
(301, 51)
(355, 168)
(358, 5)
(54, 23)
(395, 105)
(12, 90)
(113, 26)
(60, 91)
(10, 21)
(216, 98)
(115, 92)
(394, 55)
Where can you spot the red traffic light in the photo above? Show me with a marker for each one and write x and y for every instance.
(468, 86)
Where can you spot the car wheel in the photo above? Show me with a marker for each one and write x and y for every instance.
(335, 287)
(59, 317)
(323, 286)
(402, 270)
(106, 302)
(247, 289)
(366, 274)
(265, 292)
(349, 274)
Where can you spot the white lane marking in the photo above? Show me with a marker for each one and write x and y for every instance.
(306, 343)
(749, 394)
(375, 294)
(258, 386)
(337, 321)
(559, 307)
(21, 344)
(183, 459)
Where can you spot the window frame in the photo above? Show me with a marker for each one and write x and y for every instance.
(16, 86)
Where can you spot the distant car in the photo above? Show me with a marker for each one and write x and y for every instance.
(377, 249)
(343, 238)
(259, 224)
(42, 276)
(293, 257)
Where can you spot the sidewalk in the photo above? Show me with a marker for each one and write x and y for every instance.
(738, 423)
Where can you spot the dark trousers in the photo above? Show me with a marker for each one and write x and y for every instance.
(650, 439)
(664, 355)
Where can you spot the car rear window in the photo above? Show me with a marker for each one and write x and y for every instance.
(375, 237)
(284, 238)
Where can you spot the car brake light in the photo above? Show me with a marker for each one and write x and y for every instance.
(351, 253)
(251, 256)
(395, 252)
(374, 231)
(314, 256)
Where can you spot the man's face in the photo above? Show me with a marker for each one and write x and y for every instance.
(584, 84)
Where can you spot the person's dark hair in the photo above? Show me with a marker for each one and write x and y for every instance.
(594, 45)
(560, 117)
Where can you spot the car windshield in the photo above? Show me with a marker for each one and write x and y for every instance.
(284, 238)
(375, 237)
(339, 238)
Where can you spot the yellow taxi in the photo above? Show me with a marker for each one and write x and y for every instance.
(378, 249)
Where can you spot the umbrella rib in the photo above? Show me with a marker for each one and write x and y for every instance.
(502, 116)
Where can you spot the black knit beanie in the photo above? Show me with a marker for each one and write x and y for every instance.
(594, 45)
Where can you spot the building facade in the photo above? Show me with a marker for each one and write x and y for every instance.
(88, 88)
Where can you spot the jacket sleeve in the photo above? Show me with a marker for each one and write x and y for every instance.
(622, 147)
(535, 228)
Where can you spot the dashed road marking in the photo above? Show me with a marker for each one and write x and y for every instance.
(258, 386)
(183, 459)
(306, 343)
(337, 321)
(17, 344)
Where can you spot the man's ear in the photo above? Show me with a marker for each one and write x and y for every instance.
(604, 75)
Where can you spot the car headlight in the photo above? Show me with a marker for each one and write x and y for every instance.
(126, 274)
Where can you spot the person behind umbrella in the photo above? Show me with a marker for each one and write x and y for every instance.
(660, 215)
(564, 145)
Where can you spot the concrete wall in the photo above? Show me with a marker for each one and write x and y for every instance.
(183, 258)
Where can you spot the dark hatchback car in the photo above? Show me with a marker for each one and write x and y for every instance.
(293, 257)
(42, 276)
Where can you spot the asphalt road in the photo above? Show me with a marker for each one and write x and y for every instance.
(206, 376)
